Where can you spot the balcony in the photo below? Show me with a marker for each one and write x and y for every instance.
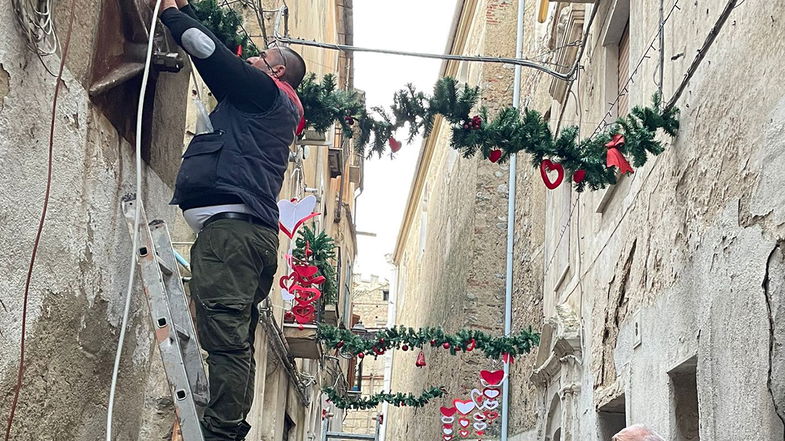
(302, 340)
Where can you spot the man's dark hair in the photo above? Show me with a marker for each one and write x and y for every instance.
(295, 67)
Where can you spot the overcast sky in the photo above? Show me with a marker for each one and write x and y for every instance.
(407, 25)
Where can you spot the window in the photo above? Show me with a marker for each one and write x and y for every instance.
(347, 289)
(612, 418)
(684, 395)
(558, 244)
(623, 71)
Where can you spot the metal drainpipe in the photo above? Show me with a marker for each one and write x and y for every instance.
(516, 98)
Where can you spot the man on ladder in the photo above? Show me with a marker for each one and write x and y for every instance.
(228, 188)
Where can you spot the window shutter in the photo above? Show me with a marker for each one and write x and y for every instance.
(624, 71)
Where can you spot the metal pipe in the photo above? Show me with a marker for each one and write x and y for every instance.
(518, 61)
(662, 46)
(516, 98)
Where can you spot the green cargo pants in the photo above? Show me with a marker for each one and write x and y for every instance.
(233, 264)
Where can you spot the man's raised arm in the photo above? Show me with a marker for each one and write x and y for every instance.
(226, 74)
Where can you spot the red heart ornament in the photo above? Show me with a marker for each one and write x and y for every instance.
(545, 166)
(493, 378)
(448, 411)
(495, 155)
(463, 433)
(305, 271)
(284, 279)
(447, 426)
(463, 406)
(464, 422)
(480, 432)
(395, 145)
(303, 313)
(491, 415)
(579, 176)
(305, 295)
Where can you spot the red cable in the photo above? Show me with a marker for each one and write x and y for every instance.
(20, 372)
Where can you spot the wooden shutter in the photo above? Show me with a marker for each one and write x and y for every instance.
(624, 71)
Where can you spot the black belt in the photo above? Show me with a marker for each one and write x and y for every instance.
(232, 215)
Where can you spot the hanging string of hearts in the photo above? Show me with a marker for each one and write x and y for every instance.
(405, 339)
(397, 399)
(482, 405)
(592, 162)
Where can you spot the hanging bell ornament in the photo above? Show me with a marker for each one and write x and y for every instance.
(420, 359)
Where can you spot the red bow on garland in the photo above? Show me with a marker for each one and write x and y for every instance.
(614, 157)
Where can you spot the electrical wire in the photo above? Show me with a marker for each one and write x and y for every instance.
(624, 89)
(137, 213)
(729, 7)
(37, 25)
(41, 221)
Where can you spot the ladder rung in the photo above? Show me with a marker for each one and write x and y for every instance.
(164, 268)
(183, 334)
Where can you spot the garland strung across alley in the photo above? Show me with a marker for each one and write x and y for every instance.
(405, 338)
(591, 162)
(397, 399)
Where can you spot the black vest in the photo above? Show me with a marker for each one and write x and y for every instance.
(242, 161)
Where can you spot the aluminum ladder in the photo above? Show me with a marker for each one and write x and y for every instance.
(174, 329)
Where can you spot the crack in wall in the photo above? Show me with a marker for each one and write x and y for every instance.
(767, 297)
(614, 315)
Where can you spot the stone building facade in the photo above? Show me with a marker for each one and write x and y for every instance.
(370, 302)
(79, 281)
(450, 250)
(658, 298)
(661, 293)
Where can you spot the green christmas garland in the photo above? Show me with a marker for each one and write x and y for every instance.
(585, 161)
(224, 22)
(509, 132)
(405, 338)
(322, 248)
(398, 399)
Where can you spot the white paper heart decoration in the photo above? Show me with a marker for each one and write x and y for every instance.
(447, 420)
(464, 407)
(464, 422)
(475, 393)
(491, 393)
(447, 431)
(286, 295)
(491, 404)
(293, 214)
(479, 416)
(480, 426)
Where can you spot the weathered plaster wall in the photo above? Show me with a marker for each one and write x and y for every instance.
(691, 241)
(80, 277)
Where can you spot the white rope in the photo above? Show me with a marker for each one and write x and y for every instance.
(135, 240)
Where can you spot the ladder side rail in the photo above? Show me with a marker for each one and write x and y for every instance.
(181, 316)
(164, 332)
